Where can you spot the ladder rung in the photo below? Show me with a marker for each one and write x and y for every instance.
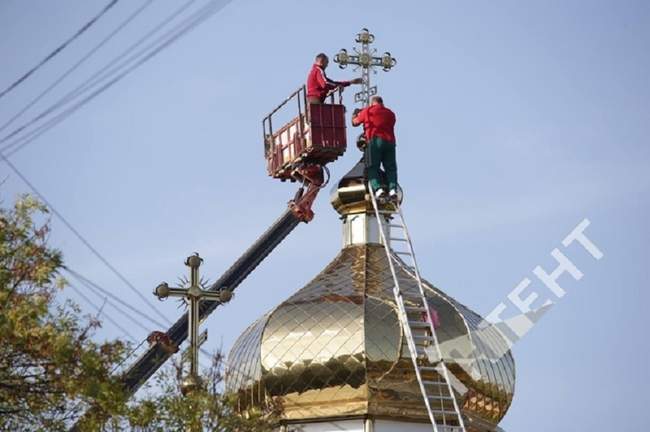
(448, 428)
(417, 300)
(396, 226)
(403, 253)
(397, 239)
(439, 397)
(413, 295)
(419, 324)
(411, 269)
(429, 369)
(415, 309)
(444, 412)
(434, 383)
(424, 339)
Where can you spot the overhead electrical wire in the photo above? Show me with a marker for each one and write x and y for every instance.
(98, 76)
(80, 62)
(81, 238)
(107, 316)
(99, 291)
(35, 133)
(58, 49)
(111, 74)
(104, 293)
(137, 60)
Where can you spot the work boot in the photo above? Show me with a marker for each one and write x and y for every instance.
(380, 195)
(392, 195)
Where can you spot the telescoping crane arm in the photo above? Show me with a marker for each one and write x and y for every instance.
(164, 345)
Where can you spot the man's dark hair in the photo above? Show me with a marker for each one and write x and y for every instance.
(321, 56)
(378, 99)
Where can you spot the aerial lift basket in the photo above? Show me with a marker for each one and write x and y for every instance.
(315, 136)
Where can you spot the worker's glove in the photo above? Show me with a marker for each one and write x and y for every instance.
(356, 81)
(356, 112)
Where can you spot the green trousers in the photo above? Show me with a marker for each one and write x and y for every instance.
(381, 152)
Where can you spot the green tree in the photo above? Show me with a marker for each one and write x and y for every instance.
(51, 369)
(49, 364)
(205, 409)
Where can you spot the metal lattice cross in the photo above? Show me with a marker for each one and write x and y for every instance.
(365, 59)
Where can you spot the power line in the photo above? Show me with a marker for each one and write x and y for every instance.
(136, 60)
(83, 239)
(60, 48)
(171, 36)
(21, 142)
(88, 83)
(188, 24)
(140, 58)
(74, 67)
(99, 291)
(108, 317)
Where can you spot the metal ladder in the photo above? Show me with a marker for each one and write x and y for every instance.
(417, 323)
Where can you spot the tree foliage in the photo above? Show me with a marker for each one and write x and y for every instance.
(206, 409)
(51, 368)
(49, 365)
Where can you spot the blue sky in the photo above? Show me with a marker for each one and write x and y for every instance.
(516, 120)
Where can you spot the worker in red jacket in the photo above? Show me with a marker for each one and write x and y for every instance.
(318, 85)
(379, 125)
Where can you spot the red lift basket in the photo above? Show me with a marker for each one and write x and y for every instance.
(315, 136)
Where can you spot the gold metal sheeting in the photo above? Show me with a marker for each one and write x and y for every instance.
(339, 401)
(312, 346)
(244, 370)
(336, 349)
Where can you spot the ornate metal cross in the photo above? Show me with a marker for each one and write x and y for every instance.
(194, 294)
(366, 61)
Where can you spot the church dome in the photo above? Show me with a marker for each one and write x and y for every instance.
(335, 349)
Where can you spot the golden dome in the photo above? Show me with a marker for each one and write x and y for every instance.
(335, 349)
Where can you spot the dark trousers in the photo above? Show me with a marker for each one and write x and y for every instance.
(381, 152)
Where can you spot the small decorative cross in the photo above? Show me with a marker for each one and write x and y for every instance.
(194, 294)
(366, 61)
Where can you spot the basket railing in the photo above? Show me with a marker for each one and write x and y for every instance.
(303, 116)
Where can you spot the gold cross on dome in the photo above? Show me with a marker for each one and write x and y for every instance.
(364, 58)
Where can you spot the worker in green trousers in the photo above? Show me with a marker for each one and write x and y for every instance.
(379, 126)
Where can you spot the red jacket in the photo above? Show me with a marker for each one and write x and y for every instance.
(378, 121)
(318, 85)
